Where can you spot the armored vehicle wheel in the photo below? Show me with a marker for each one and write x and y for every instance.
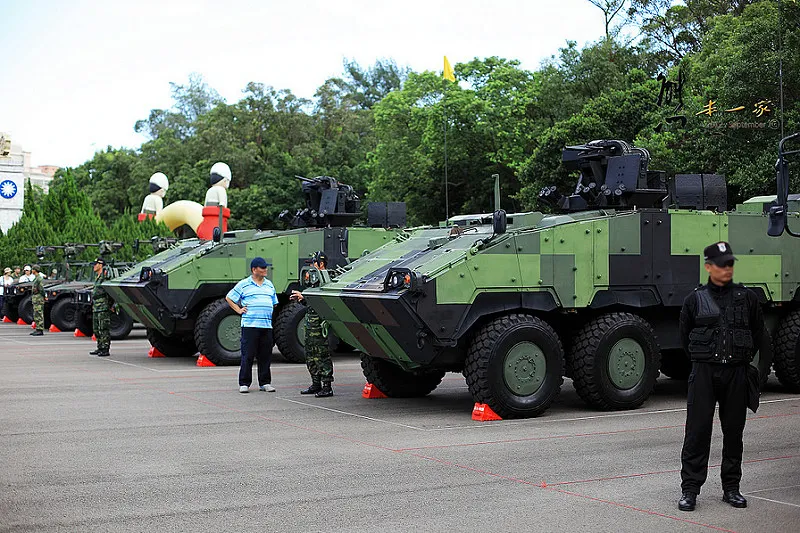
(121, 325)
(62, 314)
(25, 309)
(10, 311)
(395, 382)
(218, 332)
(616, 361)
(515, 364)
(178, 346)
(675, 364)
(786, 359)
(83, 322)
(290, 332)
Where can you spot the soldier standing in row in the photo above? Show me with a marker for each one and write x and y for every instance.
(318, 354)
(722, 325)
(37, 298)
(101, 318)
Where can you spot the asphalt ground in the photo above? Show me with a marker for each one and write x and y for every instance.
(128, 443)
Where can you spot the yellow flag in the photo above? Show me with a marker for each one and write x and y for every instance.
(448, 71)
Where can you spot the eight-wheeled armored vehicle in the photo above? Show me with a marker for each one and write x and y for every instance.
(593, 292)
(179, 294)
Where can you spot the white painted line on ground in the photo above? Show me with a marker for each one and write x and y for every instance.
(773, 488)
(203, 369)
(372, 419)
(593, 417)
(773, 501)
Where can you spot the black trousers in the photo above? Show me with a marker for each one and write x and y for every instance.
(710, 383)
(256, 344)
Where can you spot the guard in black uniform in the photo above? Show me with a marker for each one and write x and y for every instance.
(721, 326)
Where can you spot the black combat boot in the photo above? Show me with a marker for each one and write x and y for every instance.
(734, 498)
(313, 389)
(94, 352)
(325, 391)
(688, 501)
(102, 353)
(37, 333)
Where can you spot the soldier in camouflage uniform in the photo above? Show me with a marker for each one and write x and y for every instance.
(37, 298)
(101, 319)
(318, 355)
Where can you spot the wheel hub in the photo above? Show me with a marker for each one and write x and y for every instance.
(626, 364)
(229, 332)
(301, 332)
(524, 368)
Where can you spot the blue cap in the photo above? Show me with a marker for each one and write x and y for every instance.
(258, 262)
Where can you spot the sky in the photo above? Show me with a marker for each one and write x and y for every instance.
(76, 75)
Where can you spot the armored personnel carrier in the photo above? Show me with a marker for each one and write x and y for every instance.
(592, 293)
(179, 294)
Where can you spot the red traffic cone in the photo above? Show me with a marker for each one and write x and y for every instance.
(94, 338)
(21, 322)
(154, 352)
(54, 329)
(203, 361)
(33, 325)
(7, 320)
(371, 391)
(482, 412)
(78, 333)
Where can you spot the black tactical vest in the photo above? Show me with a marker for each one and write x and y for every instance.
(722, 335)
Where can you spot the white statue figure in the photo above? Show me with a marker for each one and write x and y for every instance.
(154, 202)
(220, 178)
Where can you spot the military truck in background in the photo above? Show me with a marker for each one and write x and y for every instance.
(121, 324)
(179, 294)
(593, 292)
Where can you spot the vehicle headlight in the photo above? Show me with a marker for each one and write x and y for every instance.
(402, 278)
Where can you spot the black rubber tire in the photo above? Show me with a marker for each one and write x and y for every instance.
(589, 356)
(486, 356)
(675, 364)
(10, 311)
(206, 334)
(395, 382)
(786, 356)
(25, 309)
(83, 322)
(285, 330)
(63, 314)
(178, 346)
(121, 325)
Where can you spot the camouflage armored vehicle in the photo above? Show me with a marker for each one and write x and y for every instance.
(593, 293)
(179, 294)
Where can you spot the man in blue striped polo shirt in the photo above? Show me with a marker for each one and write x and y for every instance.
(254, 299)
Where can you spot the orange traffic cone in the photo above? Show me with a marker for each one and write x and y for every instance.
(7, 320)
(54, 329)
(203, 361)
(154, 352)
(371, 391)
(78, 333)
(21, 322)
(482, 412)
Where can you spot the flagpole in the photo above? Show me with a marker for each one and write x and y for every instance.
(446, 187)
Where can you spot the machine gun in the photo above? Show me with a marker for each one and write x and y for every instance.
(159, 244)
(779, 210)
(613, 174)
(328, 203)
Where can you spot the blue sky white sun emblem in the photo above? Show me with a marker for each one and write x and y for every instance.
(8, 189)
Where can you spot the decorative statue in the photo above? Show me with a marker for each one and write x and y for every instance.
(217, 194)
(154, 202)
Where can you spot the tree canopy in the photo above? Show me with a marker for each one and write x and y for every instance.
(694, 82)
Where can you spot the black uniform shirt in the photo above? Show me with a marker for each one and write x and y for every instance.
(721, 295)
